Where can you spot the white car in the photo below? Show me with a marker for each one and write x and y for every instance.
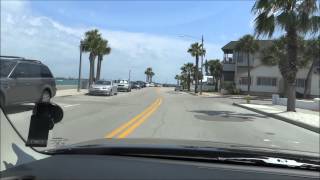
(103, 87)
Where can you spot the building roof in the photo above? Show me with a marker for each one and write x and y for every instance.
(228, 48)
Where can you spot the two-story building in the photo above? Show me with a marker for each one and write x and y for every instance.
(265, 80)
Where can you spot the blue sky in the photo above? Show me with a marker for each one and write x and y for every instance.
(140, 33)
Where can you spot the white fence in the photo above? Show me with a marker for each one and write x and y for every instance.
(303, 104)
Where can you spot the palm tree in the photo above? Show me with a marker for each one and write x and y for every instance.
(196, 50)
(215, 68)
(91, 44)
(187, 70)
(294, 17)
(149, 73)
(277, 54)
(177, 77)
(313, 52)
(248, 45)
(104, 49)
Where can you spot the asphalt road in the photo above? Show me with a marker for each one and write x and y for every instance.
(164, 113)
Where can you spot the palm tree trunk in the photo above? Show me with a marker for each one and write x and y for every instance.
(189, 81)
(98, 67)
(196, 75)
(91, 72)
(292, 49)
(216, 84)
(308, 81)
(249, 76)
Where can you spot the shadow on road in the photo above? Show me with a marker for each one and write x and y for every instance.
(19, 108)
(226, 116)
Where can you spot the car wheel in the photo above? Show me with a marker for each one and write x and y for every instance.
(46, 96)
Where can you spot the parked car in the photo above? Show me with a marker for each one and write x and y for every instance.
(135, 85)
(103, 87)
(142, 84)
(123, 85)
(151, 85)
(24, 81)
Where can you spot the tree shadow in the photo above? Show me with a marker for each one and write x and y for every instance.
(226, 116)
(22, 157)
(19, 108)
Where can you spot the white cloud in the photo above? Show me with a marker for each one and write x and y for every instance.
(57, 45)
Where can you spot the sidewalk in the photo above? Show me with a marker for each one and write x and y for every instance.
(304, 118)
(70, 92)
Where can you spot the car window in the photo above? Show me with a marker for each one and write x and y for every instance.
(45, 72)
(6, 67)
(103, 82)
(26, 70)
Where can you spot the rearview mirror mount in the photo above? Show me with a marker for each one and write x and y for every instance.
(44, 116)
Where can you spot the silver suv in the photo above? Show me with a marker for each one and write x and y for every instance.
(24, 81)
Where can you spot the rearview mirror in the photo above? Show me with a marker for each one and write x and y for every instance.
(44, 116)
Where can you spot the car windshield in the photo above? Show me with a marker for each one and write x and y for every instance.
(242, 73)
(123, 82)
(103, 83)
(6, 67)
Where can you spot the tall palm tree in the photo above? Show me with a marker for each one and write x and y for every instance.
(294, 17)
(91, 44)
(313, 52)
(277, 54)
(187, 70)
(215, 68)
(248, 45)
(196, 50)
(104, 49)
(149, 73)
(177, 77)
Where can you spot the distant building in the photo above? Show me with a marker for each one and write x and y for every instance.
(265, 79)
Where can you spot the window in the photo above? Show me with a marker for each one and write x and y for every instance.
(25, 70)
(45, 72)
(266, 81)
(300, 83)
(243, 81)
(6, 67)
(103, 82)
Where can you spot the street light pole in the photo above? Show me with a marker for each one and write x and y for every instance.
(129, 75)
(201, 65)
(80, 62)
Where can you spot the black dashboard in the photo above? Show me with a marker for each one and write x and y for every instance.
(128, 167)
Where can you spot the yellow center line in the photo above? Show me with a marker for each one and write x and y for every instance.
(127, 124)
(138, 123)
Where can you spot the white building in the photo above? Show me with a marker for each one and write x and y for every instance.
(266, 80)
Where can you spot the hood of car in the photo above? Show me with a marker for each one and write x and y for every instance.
(193, 144)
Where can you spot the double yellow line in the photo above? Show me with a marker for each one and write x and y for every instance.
(127, 128)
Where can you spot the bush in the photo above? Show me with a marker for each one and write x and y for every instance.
(230, 87)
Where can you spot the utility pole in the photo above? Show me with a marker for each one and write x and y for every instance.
(129, 75)
(80, 62)
(201, 65)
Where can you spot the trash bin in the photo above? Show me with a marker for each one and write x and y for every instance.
(275, 98)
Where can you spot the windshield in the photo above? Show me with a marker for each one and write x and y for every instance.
(6, 67)
(103, 83)
(195, 71)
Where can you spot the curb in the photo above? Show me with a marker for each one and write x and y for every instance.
(303, 125)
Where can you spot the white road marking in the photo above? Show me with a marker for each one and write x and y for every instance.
(266, 140)
(70, 105)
